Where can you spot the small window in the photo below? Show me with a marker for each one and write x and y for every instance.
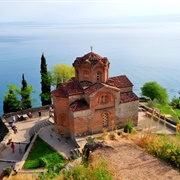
(98, 76)
(104, 99)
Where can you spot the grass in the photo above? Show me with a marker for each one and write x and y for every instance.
(163, 146)
(168, 110)
(174, 112)
(97, 169)
(42, 150)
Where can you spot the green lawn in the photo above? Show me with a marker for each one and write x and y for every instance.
(41, 151)
(166, 109)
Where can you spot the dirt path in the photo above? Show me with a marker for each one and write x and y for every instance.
(130, 162)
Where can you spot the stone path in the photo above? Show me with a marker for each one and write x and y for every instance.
(21, 136)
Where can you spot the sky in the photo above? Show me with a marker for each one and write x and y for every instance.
(59, 11)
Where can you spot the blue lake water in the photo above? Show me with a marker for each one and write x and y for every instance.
(143, 52)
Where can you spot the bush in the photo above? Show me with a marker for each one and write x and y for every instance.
(97, 169)
(42, 162)
(128, 127)
(155, 91)
(7, 171)
(152, 104)
(165, 147)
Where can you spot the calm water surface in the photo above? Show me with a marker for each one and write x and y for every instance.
(144, 52)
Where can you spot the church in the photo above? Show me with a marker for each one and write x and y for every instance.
(92, 101)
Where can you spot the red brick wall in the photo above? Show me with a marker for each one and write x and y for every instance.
(82, 121)
(61, 109)
(91, 121)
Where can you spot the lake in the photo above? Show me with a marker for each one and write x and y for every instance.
(143, 52)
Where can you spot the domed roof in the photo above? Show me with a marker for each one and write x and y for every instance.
(91, 58)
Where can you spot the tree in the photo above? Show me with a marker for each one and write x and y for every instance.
(45, 83)
(154, 91)
(61, 73)
(175, 102)
(25, 94)
(11, 102)
(16, 99)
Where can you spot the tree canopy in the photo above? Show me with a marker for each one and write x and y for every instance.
(11, 102)
(17, 98)
(45, 83)
(155, 91)
(61, 73)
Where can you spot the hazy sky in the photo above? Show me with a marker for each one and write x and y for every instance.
(70, 11)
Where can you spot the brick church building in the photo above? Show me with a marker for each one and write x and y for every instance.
(93, 101)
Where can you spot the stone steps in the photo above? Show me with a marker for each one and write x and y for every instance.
(76, 153)
(38, 126)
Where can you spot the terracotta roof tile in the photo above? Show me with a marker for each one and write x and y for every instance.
(93, 88)
(79, 105)
(73, 87)
(128, 97)
(119, 81)
(91, 58)
(60, 92)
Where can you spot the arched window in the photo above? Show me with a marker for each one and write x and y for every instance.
(105, 119)
(104, 99)
(98, 76)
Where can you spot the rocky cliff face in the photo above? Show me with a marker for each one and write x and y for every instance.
(4, 130)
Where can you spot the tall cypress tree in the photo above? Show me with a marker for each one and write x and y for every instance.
(25, 95)
(45, 83)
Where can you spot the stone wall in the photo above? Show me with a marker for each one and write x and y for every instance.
(128, 112)
(36, 109)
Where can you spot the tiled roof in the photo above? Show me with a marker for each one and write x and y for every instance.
(128, 97)
(91, 58)
(93, 88)
(72, 87)
(60, 92)
(119, 81)
(79, 105)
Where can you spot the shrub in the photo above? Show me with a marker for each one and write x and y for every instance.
(128, 127)
(42, 162)
(7, 171)
(165, 147)
(152, 104)
(155, 91)
(97, 169)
